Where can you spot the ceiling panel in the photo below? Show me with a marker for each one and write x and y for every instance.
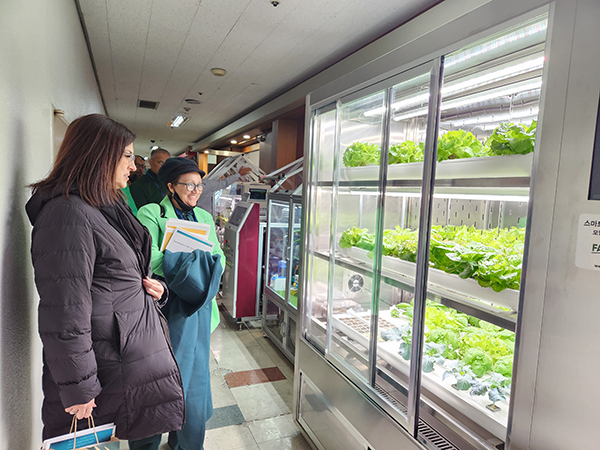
(163, 50)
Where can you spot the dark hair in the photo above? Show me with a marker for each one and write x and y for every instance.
(87, 160)
(158, 150)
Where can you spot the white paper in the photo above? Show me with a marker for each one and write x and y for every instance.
(200, 229)
(183, 241)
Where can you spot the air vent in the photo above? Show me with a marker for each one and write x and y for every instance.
(432, 438)
(192, 101)
(147, 104)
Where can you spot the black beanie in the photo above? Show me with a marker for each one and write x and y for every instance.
(174, 167)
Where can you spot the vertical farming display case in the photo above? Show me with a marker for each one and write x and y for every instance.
(282, 265)
(417, 200)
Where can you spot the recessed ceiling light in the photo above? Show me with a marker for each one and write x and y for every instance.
(154, 147)
(233, 141)
(246, 136)
(217, 72)
(178, 121)
(205, 151)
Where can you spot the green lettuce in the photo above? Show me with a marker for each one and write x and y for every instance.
(511, 139)
(361, 154)
(406, 152)
(459, 144)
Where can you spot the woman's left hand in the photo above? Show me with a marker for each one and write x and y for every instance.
(153, 287)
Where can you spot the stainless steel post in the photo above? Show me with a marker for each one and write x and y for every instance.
(379, 225)
(429, 163)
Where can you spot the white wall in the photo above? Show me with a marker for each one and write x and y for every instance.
(44, 64)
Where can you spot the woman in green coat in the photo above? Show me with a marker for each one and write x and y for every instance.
(190, 335)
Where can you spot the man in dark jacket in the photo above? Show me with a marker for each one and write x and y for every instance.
(148, 188)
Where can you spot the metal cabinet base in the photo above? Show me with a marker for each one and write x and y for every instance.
(335, 415)
(279, 324)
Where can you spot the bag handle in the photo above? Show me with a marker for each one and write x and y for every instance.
(74, 430)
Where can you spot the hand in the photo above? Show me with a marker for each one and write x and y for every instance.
(153, 287)
(82, 411)
(244, 171)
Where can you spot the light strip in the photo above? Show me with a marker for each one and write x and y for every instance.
(508, 72)
(492, 197)
(532, 112)
(470, 100)
(530, 30)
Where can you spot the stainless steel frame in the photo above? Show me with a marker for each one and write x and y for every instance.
(290, 314)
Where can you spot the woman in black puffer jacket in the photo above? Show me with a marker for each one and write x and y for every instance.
(105, 345)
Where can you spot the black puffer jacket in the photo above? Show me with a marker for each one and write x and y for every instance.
(101, 332)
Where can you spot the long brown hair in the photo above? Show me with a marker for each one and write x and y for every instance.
(87, 160)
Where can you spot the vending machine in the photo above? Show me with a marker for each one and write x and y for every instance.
(241, 243)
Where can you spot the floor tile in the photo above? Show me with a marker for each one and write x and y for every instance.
(221, 394)
(262, 401)
(229, 438)
(289, 443)
(237, 359)
(248, 377)
(273, 428)
(224, 417)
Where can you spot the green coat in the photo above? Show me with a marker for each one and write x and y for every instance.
(130, 201)
(149, 215)
(148, 189)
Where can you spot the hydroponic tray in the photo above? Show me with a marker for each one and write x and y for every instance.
(440, 282)
(473, 407)
(483, 167)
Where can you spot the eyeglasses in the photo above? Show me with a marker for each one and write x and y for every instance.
(191, 187)
(130, 156)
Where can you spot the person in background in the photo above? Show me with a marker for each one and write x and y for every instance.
(140, 165)
(191, 311)
(105, 347)
(148, 188)
(212, 186)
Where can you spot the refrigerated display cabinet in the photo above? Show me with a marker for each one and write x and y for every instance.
(282, 264)
(417, 197)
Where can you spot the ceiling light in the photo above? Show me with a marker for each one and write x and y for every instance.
(154, 147)
(217, 72)
(205, 151)
(233, 141)
(246, 136)
(178, 121)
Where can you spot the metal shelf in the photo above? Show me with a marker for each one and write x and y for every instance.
(483, 311)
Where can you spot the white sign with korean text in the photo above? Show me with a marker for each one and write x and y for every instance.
(588, 242)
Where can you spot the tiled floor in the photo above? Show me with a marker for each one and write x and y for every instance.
(252, 391)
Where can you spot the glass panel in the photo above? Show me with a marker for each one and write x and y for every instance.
(295, 255)
(318, 238)
(360, 144)
(291, 338)
(274, 319)
(408, 124)
(279, 212)
(490, 103)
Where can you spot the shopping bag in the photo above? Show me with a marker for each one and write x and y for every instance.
(94, 438)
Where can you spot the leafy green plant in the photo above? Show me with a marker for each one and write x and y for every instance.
(406, 152)
(492, 257)
(511, 139)
(401, 334)
(459, 144)
(497, 386)
(361, 154)
(465, 378)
